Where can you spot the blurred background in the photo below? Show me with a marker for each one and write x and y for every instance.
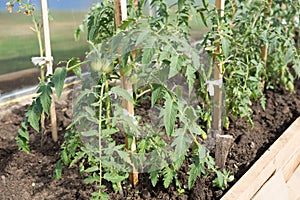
(18, 43)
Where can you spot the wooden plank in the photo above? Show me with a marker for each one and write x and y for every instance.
(294, 184)
(287, 157)
(270, 161)
(251, 182)
(290, 166)
(270, 189)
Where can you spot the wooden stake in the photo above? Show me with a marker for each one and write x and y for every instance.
(217, 98)
(223, 143)
(49, 64)
(121, 14)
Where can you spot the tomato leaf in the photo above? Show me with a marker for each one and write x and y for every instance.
(114, 178)
(154, 175)
(156, 93)
(168, 176)
(33, 114)
(123, 93)
(59, 80)
(225, 46)
(58, 170)
(193, 174)
(181, 143)
(92, 169)
(45, 96)
(169, 114)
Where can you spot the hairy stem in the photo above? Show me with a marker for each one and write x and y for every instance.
(100, 132)
(107, 101)
(42, 78)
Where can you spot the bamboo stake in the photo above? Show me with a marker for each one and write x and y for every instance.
(121, 14)
(223, 142)
(49, 64)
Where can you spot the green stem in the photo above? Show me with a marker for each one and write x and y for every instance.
(120, 189)
(142, 93)
(100, 133)
(39, 38)
(107, 101)
(38, 34)
(42, 78)
(75, 66)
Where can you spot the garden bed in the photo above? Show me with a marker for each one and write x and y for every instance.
(30, 176)
(276, 170)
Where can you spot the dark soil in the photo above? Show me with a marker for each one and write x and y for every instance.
(30, 176)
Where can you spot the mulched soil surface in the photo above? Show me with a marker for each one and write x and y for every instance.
(30, 176)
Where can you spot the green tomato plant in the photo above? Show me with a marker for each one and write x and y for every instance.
(153, 51)
(44, 100)
(245, 28)
(162, 51)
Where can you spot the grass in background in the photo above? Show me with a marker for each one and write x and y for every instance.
(18, 43)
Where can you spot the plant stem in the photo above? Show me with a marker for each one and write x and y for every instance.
(76, 66)
(42, 78)
(107, 101)
(100, 132)
(38, 34)
(120, 189)
(142, 93)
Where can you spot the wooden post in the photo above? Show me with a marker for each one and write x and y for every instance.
(223, 142)
(49, 64)
(121, 14)
(217, 98)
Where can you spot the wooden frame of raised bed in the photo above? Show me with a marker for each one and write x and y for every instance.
(276, 175)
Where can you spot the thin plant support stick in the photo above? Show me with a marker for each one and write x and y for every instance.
(49, 64)
(121, 14)
(223, 142)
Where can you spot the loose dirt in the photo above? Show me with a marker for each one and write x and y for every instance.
(30, 176)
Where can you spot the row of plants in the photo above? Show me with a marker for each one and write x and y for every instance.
(154, 52)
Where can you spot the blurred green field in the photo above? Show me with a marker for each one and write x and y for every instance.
(18, 43)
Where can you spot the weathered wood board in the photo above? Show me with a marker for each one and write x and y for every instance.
(277, 170)
(294, 184)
